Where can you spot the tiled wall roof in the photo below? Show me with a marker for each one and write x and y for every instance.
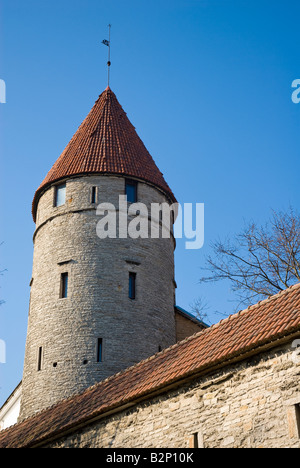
(266, 324)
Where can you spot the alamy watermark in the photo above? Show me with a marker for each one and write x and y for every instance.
(296, 93)
(2, 352)
(136, 220)
(296, 353)
(2, 92)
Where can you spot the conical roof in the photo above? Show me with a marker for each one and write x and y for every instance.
(105, 143)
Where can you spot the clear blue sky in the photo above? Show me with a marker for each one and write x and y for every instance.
(207, 85)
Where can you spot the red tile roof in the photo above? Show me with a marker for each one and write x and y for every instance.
(105, 143)
(262, 326)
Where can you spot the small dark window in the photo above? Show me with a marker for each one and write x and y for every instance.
(99, 350)
(195, 436)
(85, 362)
(40, 355)
(55, 364)
(297, 408)
(193, 441)
(60, 195)
(131, 191)
(132, 285)
(159, 349)
(64, 285)
(94, 195)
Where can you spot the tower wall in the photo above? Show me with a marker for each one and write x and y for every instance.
(63, 332)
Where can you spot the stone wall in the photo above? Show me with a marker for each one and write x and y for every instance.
(252, 405)
(97, 306)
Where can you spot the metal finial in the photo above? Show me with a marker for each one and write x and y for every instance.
(107, 43)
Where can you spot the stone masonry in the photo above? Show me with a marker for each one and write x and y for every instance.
(253, 404)
(67, 329)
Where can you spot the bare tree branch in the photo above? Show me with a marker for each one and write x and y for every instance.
(199, 308)
(260, 261)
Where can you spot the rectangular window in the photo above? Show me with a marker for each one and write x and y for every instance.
(94, 195)
(99, 350)
(64, 285)
(132, 285)
(297, 408)
(196, 440)
(131, 191)
(40, 355)
(293, 420)
(60, 195)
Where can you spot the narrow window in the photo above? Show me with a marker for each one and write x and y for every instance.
(40, 355)
(132, 285)
(297, 408)
(64, 285)
(60, 195)
(99, 350)
(293, 420)
(131, 191)
(94, 195)
(193, 441)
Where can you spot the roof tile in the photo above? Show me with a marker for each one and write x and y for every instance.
(105, 143)
(259, 325)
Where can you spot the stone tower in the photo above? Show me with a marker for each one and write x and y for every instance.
(97, 305)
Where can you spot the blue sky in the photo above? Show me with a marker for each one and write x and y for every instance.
(207, 85)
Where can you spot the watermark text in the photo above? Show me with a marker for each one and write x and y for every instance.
(2, 92)
(296, 353)
(136, 220)
(296, 93)
(2, 352)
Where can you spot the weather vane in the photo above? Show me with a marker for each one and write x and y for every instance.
(107, 43)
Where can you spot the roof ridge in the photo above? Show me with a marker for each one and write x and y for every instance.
(174, 346)
(197, 334)
(259, 303)
(206, 330)
(213, 348)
